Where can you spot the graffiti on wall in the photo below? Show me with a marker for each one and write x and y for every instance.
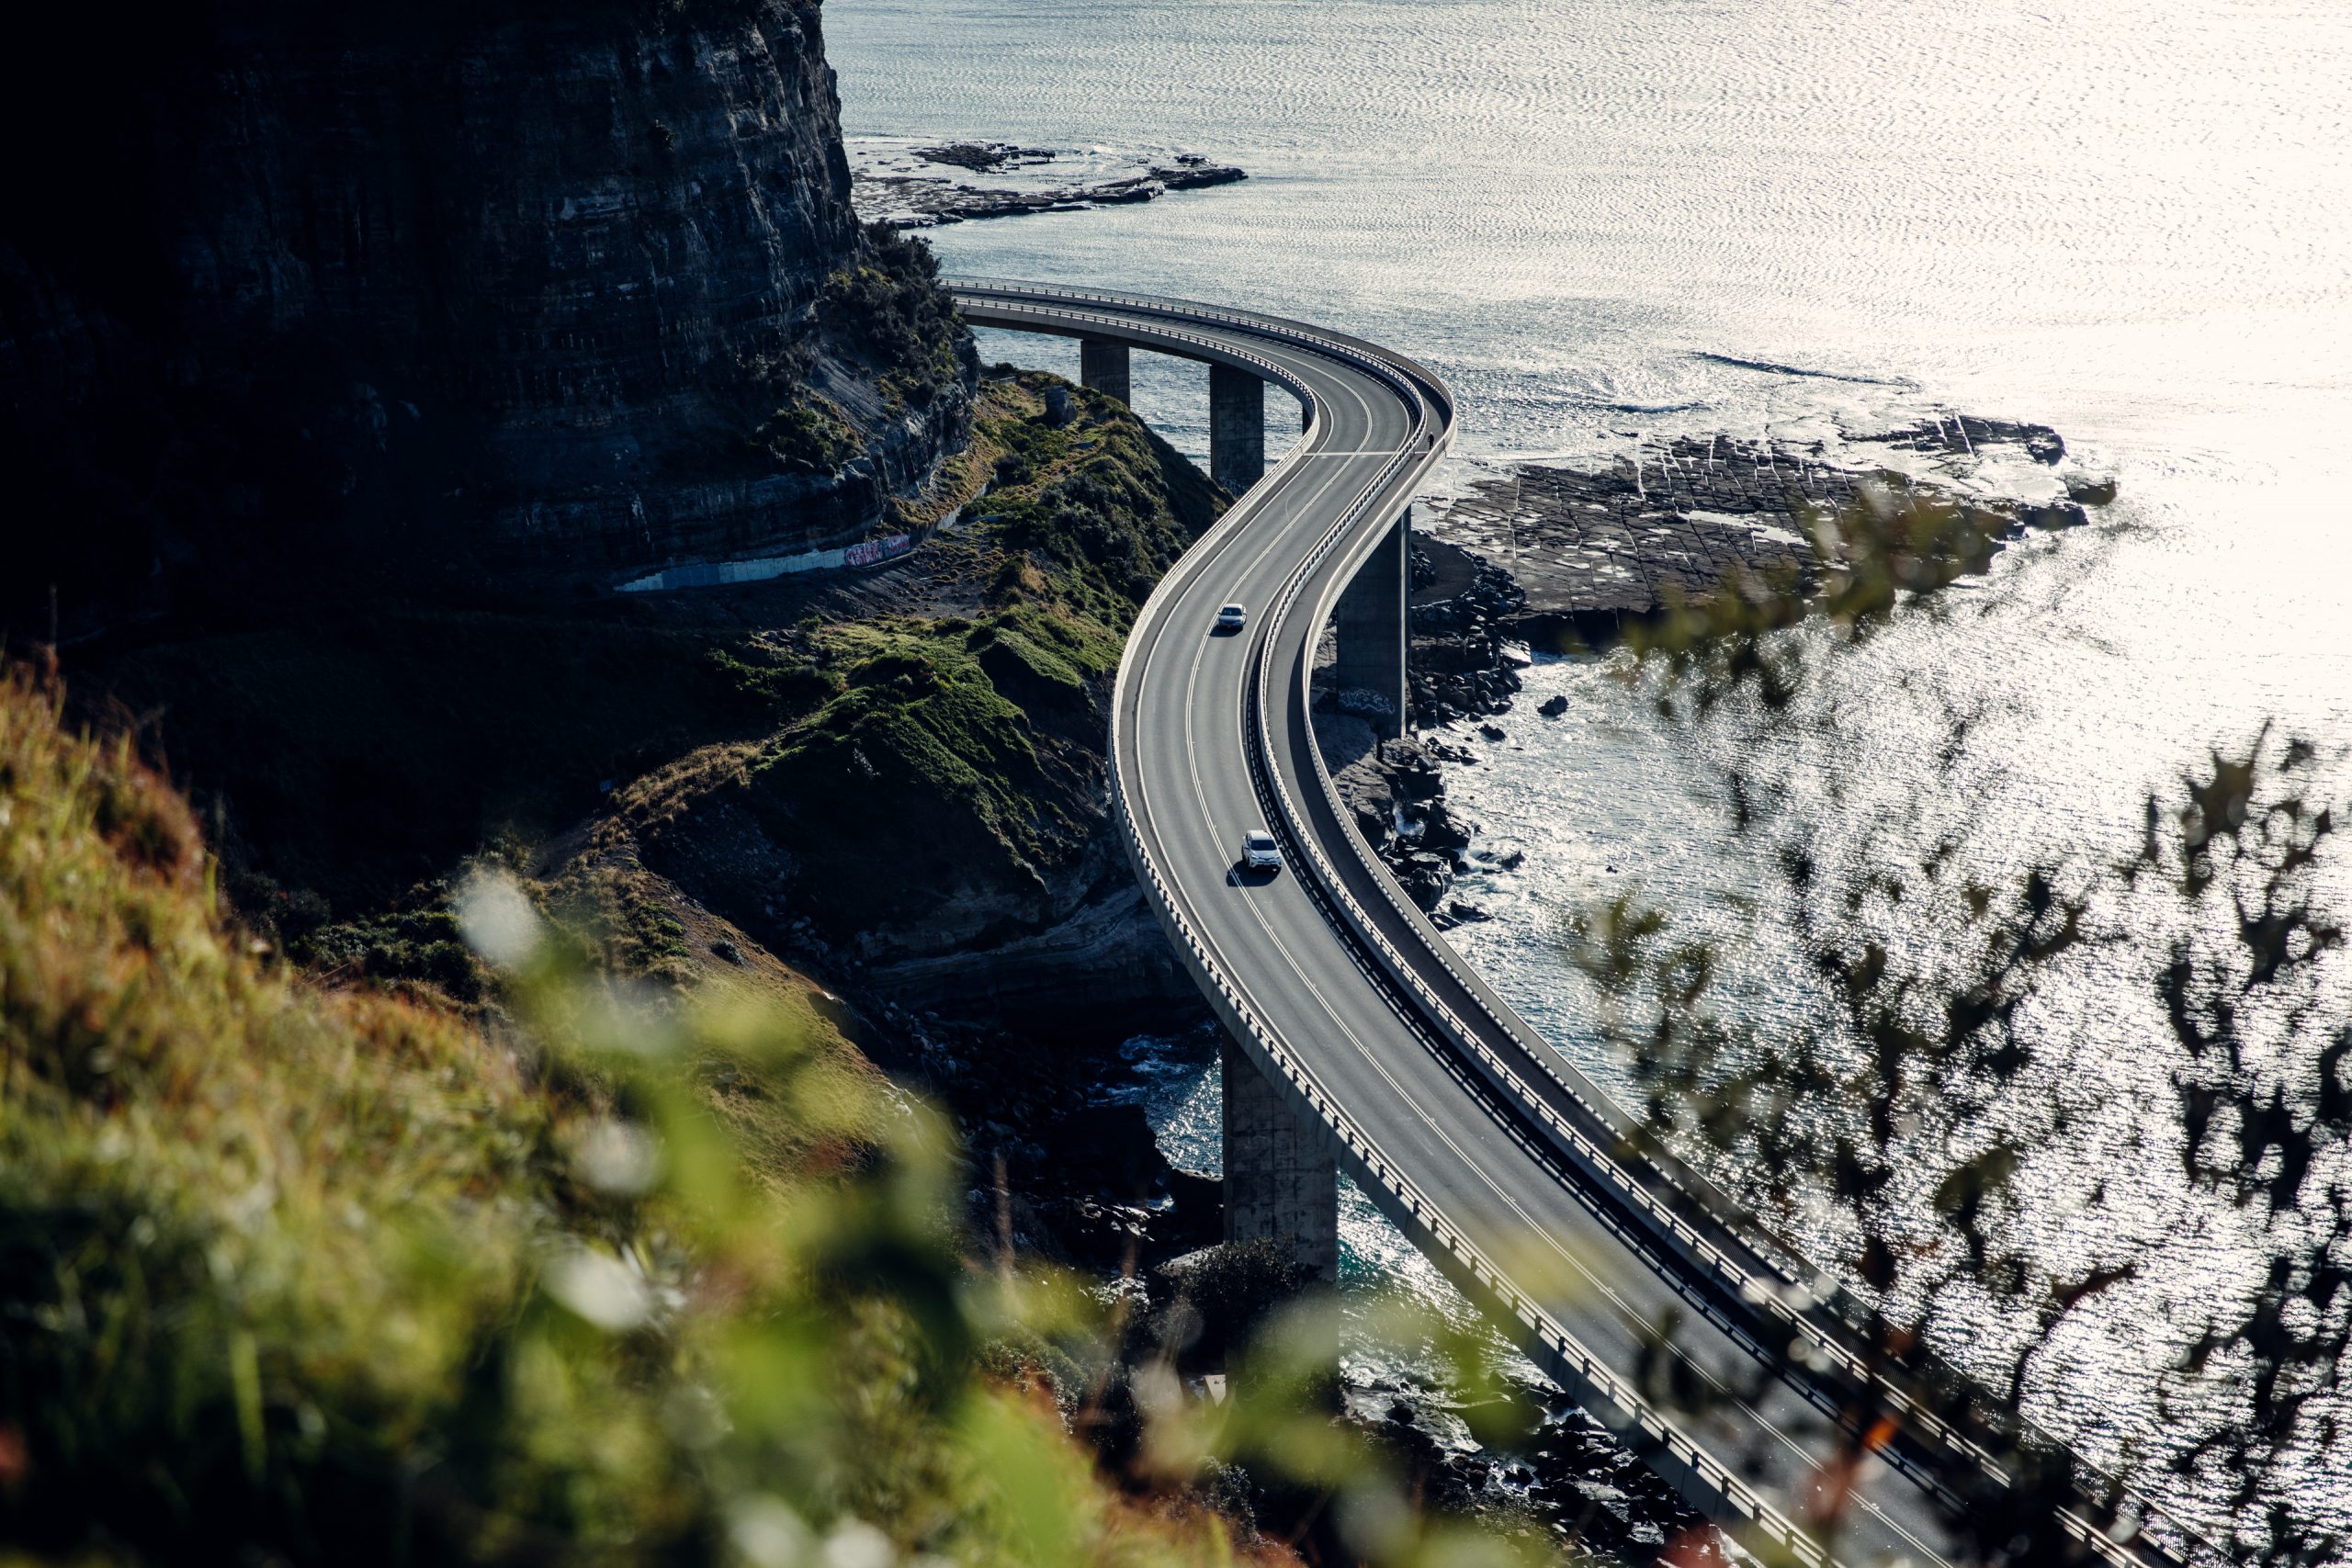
(874, 550)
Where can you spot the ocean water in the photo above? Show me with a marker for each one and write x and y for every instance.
(1606, 221)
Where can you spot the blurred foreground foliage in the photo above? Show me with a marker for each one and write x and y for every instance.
(1949, 1122)
(289, 1274)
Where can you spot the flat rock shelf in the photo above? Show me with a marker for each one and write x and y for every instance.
(1594, 547)
(911, 184)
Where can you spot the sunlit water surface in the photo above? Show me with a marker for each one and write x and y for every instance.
(2131, 221)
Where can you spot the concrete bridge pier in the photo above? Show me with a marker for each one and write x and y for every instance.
(1237, 428)
(1102, 364)
(1371, 621)
(1278, 1181)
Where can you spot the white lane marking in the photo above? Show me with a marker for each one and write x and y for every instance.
(1770, 1428)
(1208, 820)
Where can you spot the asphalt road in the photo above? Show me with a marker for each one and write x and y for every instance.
(1620, 1277)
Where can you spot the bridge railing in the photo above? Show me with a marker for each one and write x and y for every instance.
(1469, 1263)
(1420, 391)
(1429, 386)
(1807, 1345)
(1369, 1163)
(1598, 1167)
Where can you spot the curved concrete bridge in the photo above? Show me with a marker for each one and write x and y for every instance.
(1359, 1039)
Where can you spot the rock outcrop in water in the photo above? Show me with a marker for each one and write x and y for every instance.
(911, 186)
(1590, 549)
(519, 292)
(1463, 665)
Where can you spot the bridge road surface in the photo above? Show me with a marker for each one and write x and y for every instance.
(1460, 1167)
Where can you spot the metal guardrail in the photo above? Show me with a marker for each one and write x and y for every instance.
(1362, 1154)
(1422, 450)
(1602, 1169)
(1599, 1167)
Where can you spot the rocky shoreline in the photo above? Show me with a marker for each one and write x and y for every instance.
(1464, 663)
(912, 186)
(1564, 557)
(1593, 549)
(1064, 1165)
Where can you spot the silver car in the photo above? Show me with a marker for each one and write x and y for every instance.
(1259, 851)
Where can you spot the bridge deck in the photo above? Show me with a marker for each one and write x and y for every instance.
(1486, 1149)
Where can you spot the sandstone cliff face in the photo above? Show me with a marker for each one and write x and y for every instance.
(514, 294)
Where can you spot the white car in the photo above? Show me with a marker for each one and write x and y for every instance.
(1259, 851)
(1232, 618)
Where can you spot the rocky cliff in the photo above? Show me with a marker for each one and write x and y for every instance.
(511, 292)
(895, 779)
(928, 820)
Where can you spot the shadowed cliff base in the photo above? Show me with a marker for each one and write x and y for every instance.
(888, 780)
(895, 774)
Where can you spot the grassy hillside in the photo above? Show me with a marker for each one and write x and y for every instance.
(452, 1240)
(293, 1275)
(959, 746)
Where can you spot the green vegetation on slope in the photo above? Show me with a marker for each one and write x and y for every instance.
(345, 762)
(294, 1275)
(807, 435)
(886, 312)
(961, 750)
(289, 1274)
(891, 309)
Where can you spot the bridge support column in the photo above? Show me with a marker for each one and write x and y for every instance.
(1371, 621)
(1237, 428)
(1102, 364)
(1278, 1181)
